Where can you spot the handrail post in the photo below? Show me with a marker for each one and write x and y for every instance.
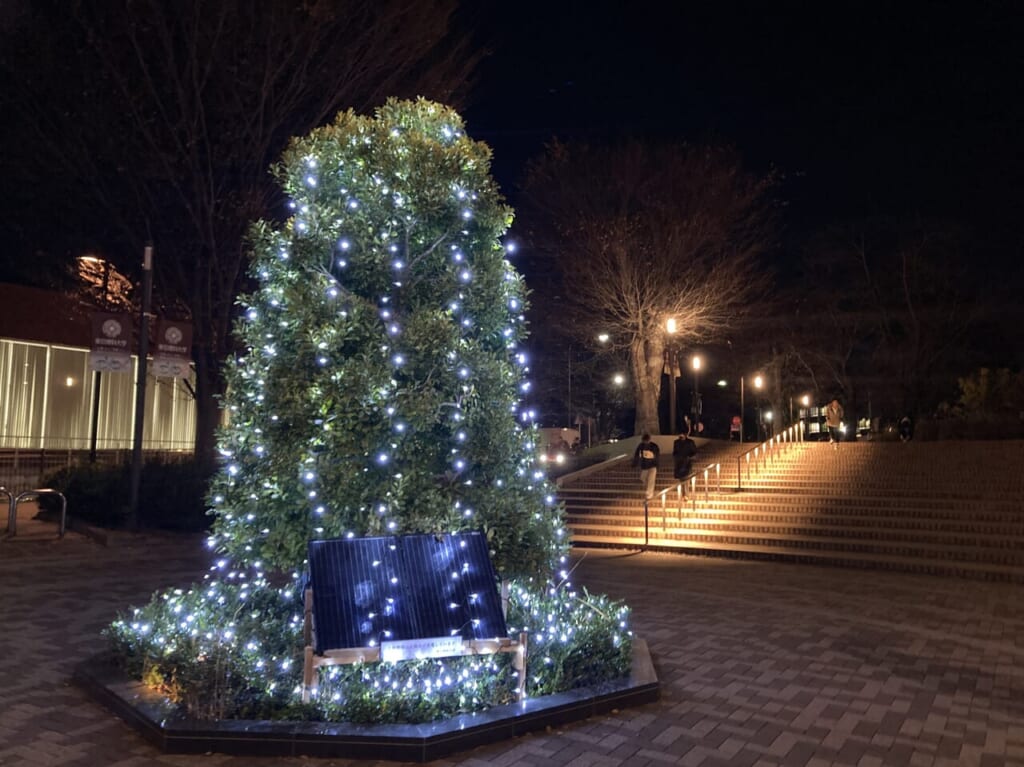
(646, 528)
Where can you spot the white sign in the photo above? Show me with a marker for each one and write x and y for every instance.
(170, 367)
(431, 647)
(110, 362)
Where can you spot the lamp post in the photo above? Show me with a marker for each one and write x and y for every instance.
(695, 406)
(670, 328)
(758, 383)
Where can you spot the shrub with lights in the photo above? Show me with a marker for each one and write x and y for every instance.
(379, 395)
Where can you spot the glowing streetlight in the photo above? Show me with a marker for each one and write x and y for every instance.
(670, 328)
(695, 406)
(758, 383)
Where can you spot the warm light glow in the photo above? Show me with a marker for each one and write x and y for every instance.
(619, 379)
(805, 400)
(670, 325)
(696, 363)
(758, 382)
(603, 337)
(722, 382)
(69, 381)
(768, 415)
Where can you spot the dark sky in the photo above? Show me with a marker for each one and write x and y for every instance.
(867, 108)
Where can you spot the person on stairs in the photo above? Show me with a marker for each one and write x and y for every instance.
(683, 451)
(646, 458)
(834, 422)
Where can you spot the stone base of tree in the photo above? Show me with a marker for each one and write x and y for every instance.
(163, 725)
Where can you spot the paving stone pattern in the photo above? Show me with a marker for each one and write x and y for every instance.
(762, 664)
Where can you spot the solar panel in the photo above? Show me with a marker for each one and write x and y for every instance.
(371, 591)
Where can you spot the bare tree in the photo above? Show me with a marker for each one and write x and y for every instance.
(887, 304)
(639, 233)
(145, 120)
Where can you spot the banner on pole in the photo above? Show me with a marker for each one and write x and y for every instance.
(111, 343)
(172, 356)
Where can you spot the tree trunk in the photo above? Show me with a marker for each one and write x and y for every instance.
(208, 386)
(646, 359)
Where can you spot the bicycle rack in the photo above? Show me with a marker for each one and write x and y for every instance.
(12, 517)
(11, 513)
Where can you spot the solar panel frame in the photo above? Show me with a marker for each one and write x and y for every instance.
(367, 591)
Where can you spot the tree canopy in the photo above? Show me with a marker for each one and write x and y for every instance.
(379, 390)
(641, 232)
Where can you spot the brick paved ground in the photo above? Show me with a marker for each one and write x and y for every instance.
(761, 664)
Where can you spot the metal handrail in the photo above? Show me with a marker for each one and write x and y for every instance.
(690, 479)
(766, 450)
(12, 519)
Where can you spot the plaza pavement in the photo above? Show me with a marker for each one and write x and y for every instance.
(760, 663)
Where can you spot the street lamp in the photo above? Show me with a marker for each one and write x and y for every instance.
(670, 328)
(758, 383)
(695, 406)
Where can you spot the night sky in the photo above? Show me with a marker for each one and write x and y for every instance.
(905, 108)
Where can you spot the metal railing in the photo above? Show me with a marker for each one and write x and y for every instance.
(767, 451)
(23, 469)
(691, 480)
(12, 515)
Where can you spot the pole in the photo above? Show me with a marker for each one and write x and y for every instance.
(94, 427)
(671, 392)
(696, 396)
(568, 420)
(741, 410)
(140, 387)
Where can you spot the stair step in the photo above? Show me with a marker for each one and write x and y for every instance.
(929, 508)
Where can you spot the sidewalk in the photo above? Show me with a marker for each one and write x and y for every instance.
(760, 663)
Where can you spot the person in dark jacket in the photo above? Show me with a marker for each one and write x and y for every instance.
(683, 451)
(646, 458)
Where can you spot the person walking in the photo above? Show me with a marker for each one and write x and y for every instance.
(834, 422)
(683, 451)
(646, 458)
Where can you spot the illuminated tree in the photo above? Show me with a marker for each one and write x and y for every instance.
(377, 395)
(379, 391)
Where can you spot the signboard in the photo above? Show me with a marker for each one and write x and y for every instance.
(172, 355)
(111, 347)
(413, 649)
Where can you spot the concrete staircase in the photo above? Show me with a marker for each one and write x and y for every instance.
(953, 508)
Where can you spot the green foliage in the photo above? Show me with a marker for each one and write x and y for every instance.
(378, 395)
(96, 493)
(221, 650)
(992, 392)
(379, 391)
(233, 651)
(576, 638)
(170, 495)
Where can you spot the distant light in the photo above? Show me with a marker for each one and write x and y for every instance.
(722, 382)
(603, 337)
(696, 362)
(670, 325)
(69, 381)
(619, 379)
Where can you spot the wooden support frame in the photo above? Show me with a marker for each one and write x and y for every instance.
(349, 655)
